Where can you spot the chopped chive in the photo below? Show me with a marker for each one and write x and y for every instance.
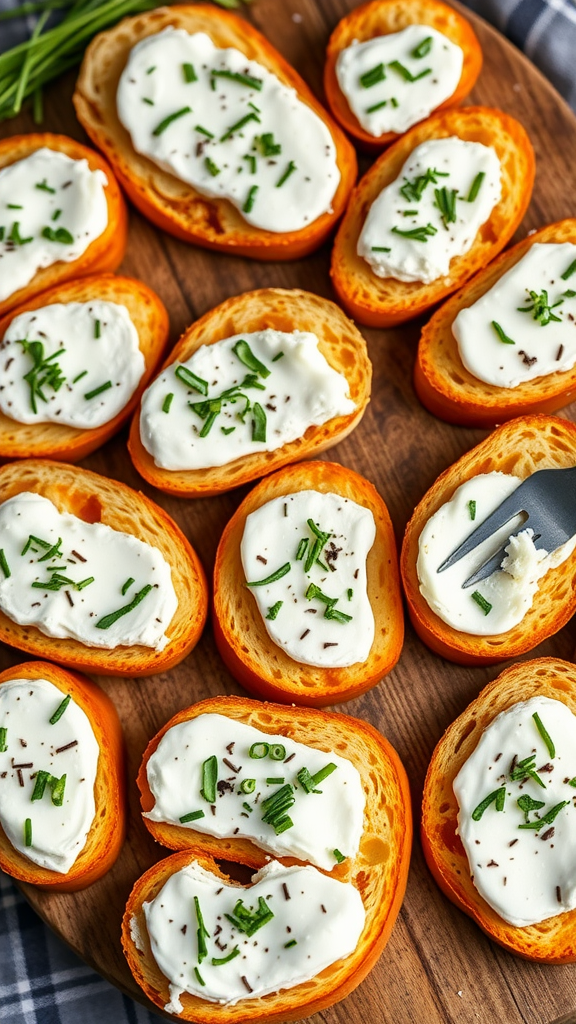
(280, 355)
(15, 236)
(238, 125)
(192, 816)
(376, 106)
(209, 778)
(84, 583)
(275, 782)
(350, 593)
(168, 120)
(423, 48)
(42, 778)
(568, 273)
(98, 390)
(61, 235)
(204, 131)
(211, 167)
(235, 76)
(60, 709)
(288, 945)
(339, 856)
(227, 430)
(544, 734)
(497, 796)
(167, 402)
(372, 77)
(502, 334)
(57, 786)
(254, 107)
(265, 145)
(150, 102)
(546, 819)
(52, 552)
(331, 612)
(248, 785)
(218, 961)
(409, 213)
(248, 920)
(569, 293)
(4, 564)
(97, 327)
(109, 620)
(202, 932)
(56, 214)
(526, 769)
(290, 168)
(301, 550)
(277, 751)
(189, 73)
(393, 101)
(527, 804)
(44, 187)
(252, 161)
(79, 377)
(405, 73)
(572, 782)
(275, 807)
(412, 191)
(247, 807)
(126, 586)
(3, 735)
(274, 609)
(199, 976)
(381, 248)
(191, 380)
(245, 354)
(472, 509)
(250, 200)
(273, 576)
(541, 308)
(446, 203)
(34, 540)
(150, 70)
(420, 234)
(13, 206)
(259, 750)
(258, 423)
(482, 602)
(475, 187)
(28, 832)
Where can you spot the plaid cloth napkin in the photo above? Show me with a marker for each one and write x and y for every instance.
(41, 981)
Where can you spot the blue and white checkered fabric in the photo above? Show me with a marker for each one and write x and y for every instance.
(41, 981)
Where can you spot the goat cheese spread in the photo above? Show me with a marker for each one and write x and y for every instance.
(48, 762)
(227, 126)
(225, 943)
(246, 394)
(223, 778)
(304, 557)
(517, 811)
(432, 212)
(84, 581)
(393, 81)
(51, 209)
(77, 363)
(500, 337)
(498, 603)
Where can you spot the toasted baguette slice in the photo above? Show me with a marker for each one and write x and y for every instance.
(383, 302)
(106, 835)
(379, 871)
(449, 390)
(340, 343)
(96, 499)
(172, 204)
(381, 18)
(59, 441)
(106, 251)
(520, 448)
(259, 664)
(552, 941)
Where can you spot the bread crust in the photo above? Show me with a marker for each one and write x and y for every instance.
(379, 872)
(105, 252)
(107, 832)
(57, 440)
(259, 664)
(519, 447)
(383, 302)
(381, 18)
(554, 940)
(449, 390)
(94, 498)
(283, 310)
(168, 202)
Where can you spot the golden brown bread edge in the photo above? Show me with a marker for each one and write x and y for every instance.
(282, 310)
(106, 251)
(107, 831)
(95, 499)
(552, 941)
(383, 17)
(259, 664)
(57, 440)
(168, 202)
(519, 447)
(383, 302)
(379, 871)
(449, 390)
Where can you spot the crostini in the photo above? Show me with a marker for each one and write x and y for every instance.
(112, 330)
(525, 905)
(214, 137)
(383, 49)
(290, 378)
(292, 742)
(307, 606)
(512, 348)
(56, 833)
(94, 574)
(62, 215)
(512, 611)
(434, 209)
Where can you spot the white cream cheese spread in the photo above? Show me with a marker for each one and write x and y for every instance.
(225, 943)
(517, 816)
(223, 778)
(48, 762)
(433, 210)
(525, 326)
(393, 81)
(500, 602)
(51, 209)
(227, 126)
(304, 557)
(77, 363)
(249, 393)
(81, 580)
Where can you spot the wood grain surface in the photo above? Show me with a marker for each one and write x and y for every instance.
(438, 967)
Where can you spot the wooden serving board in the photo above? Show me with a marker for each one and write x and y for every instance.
(438, 967)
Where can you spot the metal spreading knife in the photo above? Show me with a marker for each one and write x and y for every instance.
(547, 502)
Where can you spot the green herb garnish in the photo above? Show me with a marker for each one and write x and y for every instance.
(15, 236)
(381, 248)
(546, 819)
(61, 235)
(209, 778)
(301, 549)
(526, 769)
(202, 932)
(252, 161)
(97, 328)
(169, 120)
(199, 976)
(275, 808)
(446, 203)
(420, 234)
(498, 797)
(405, 73)
(284, 177)
(423, 48)
(376, 106)
(331, 612)
(44, 187)
(275, 782)
(277, 575)
(372, 77)
(60, 709)
(189, 73)
(248, 785)
(45, 373)
(472, 509)
(191, 380)
(235, 76)
(211, 167)
(338, 856)
(540, 308)
(258, 423)
(277, 751)
(288, 945)
(481, 602)
(310, 782)
(250, 200)
(273, 610)
(544, 734)
(412, 191)
(126, 586)
(227, 430)
(28, 832)
(475, 186)
(4, 564)
(527, 804)
(79, 377)
(249, 920)
(3, 735)
(239, 124)
(218, 961)
(266, 146)
(167, 402)
(569, 271)
(98, 390)
(245, 354)
(502, 334)
(109, 620)
(259, 750)
(204, 131)
(192, 816)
